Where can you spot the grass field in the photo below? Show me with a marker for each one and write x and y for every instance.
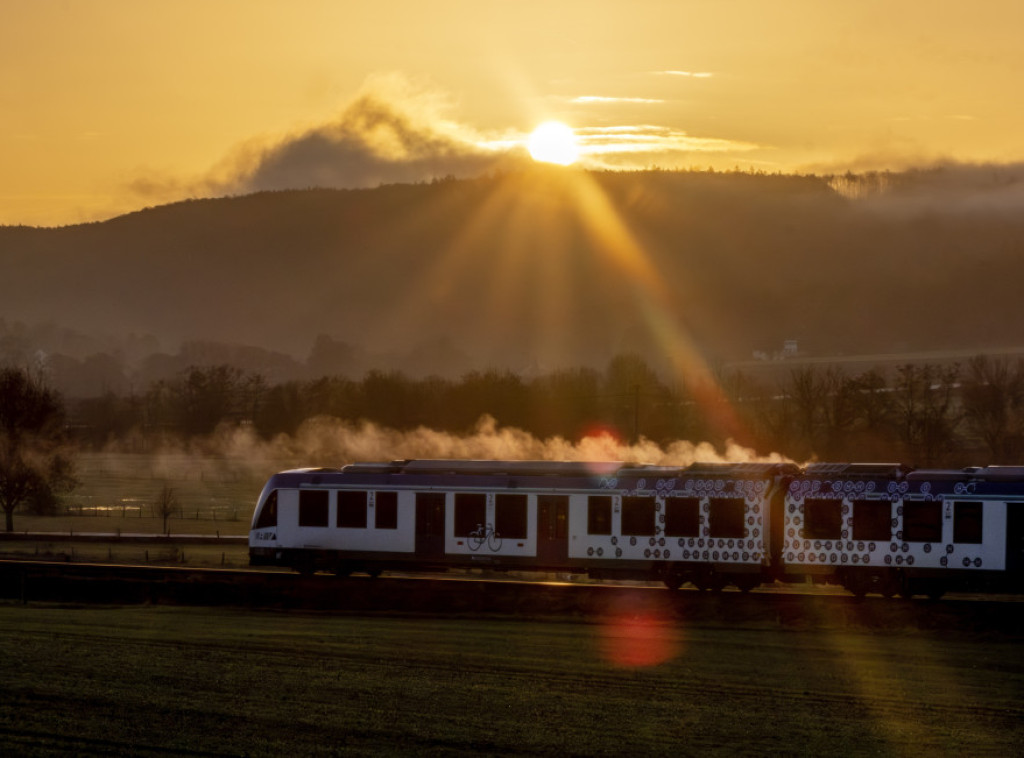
(117, 493)
(184, 681)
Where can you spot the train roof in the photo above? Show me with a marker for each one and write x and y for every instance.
(856, 470)
(564, 468)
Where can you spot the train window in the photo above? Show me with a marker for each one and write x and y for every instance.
(638, 516)
(922, 522)
(470, 513)
(268, 514)
(872, 520)
(599, 514)
(351, 509)
(386, 510)
(967, 523)
(823, 519)
(510, 516)
(727, 517)
(682, 517)
(313, 507)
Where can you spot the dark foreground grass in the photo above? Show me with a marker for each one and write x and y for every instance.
(184, 681)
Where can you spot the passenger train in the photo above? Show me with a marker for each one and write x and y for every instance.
(880, 528)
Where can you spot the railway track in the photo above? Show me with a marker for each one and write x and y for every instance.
(82, 583)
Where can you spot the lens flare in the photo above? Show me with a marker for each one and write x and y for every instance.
(638, 634)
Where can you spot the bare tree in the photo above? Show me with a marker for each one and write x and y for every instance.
(993, 401)
(166, 504)
(925, 413)
(34, 460)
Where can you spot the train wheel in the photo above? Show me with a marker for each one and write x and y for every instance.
(705, 580)
(746, 582)
(718, 583)
(672, 578)
(890, 585)
(907, 588)
(935, 591)
(856, 583)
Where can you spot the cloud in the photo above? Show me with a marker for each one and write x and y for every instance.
(392, 131)
(588, 99)
(690, 74)
(397, 130)
(626, 142)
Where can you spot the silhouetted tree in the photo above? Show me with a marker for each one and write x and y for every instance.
(566, 402)
(388, 397)
(636, 396)
(925, 414)
(166, 504)
(993, 402)
(34, 463)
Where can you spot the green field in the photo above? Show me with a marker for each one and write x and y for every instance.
(182, 681)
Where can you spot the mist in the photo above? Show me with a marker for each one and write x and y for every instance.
(333, 442)
(938, 189)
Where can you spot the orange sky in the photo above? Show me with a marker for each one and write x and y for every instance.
(111, 105)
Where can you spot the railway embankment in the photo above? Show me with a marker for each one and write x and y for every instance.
(453, 596)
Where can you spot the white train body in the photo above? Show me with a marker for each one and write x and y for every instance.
(869, 527)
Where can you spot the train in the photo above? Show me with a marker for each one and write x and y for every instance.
(869, 527)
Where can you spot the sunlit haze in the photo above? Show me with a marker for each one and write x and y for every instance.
(113, 105)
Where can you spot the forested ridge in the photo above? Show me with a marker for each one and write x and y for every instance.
(541, 299)
(509, 271)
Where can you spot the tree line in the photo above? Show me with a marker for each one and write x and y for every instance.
(920, 414)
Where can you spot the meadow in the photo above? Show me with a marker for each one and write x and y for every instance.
(117, 495)
(184, 681)
(149, 680)
(126, 486)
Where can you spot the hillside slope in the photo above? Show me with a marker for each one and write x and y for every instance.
(544, 268)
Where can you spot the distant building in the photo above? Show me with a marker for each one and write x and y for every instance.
(790, 349)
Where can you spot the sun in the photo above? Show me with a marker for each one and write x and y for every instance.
(553, 142)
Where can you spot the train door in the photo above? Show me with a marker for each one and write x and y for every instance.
(552, 530)
(776, 529)
(430, 525)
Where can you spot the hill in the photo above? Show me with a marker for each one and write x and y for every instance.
(548, 268)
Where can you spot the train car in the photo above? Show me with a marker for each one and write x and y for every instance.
(868, 527)
(709, 524)
(887, 529)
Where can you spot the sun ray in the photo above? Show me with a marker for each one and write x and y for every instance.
(533, 242)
